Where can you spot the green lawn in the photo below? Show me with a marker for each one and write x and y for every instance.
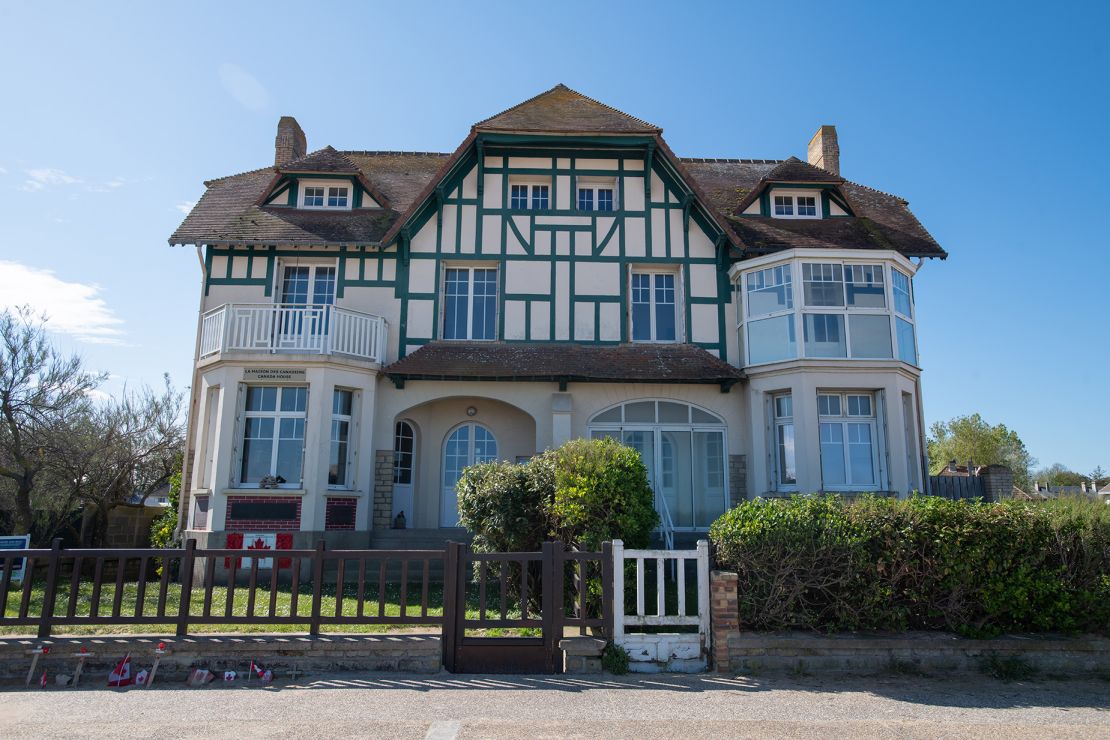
(392, 607)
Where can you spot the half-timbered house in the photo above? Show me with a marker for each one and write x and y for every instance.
(373, 322)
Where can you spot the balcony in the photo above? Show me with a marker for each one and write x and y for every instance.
(292, 328)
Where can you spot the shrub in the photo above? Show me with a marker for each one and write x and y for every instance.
(583, 493)
(507, 507)
(922, 563)
(615, 659)
(601, 493)
(162, 529)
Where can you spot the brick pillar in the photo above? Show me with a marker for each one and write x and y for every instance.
(383, 491)
(737, 479)
(724, 609)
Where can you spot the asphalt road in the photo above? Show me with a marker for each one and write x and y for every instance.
(662, 706)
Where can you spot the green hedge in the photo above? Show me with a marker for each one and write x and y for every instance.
(979, 569)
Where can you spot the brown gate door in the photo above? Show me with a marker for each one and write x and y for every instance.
(505, 612)
(500, 612)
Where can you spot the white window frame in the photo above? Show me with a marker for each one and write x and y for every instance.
(303, 186)
(277, 415)
(844, 419)
(594, 186)
(776, 423)
(397, 467)
(352, 438)
(533, 195)
(679, 304)
(470, 268)
(793, 195)
(896, 315)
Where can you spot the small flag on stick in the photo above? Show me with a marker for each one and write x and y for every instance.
(42, 681)
(121, 676)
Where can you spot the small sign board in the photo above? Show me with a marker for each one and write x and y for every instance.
(263, 541)
(15, 542)
(274, 375)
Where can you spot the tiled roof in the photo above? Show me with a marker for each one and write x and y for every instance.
(565, 111)
(635, 363)
(230, 211)
(323, 160)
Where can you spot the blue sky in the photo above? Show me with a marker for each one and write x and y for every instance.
(990, 118)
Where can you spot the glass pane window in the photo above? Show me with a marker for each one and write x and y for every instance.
(824, 335)
(771, 340)
(903, 299)
(470, 303)
(907, 347)
(769, 290)
(540, 197)
(273, 434)
(849, 455)
(654, 309)
(518, 197)
(864, 286)
(823, 284)
(604, 199)
(784, 205)
(314, 197)
(785, 466)
(585, 199)
(870, 336)
(404, 445)
(337, 197)
(807, 205)
(339, 460)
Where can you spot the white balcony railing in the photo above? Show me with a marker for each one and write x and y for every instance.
(294, 328)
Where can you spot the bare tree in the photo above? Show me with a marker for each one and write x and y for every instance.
(119, 452)
(39, 390)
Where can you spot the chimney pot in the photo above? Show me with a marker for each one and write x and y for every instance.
(290, 143)
(824, 150)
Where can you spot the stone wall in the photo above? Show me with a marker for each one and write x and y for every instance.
(383, 489)
(279, 653)
(740, 652)
(129, 526)
(997, 481)
(737, 479)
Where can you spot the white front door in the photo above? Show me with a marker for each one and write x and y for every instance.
(466, 445)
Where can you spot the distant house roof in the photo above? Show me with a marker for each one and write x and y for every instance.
(637, 363)
(231, 210)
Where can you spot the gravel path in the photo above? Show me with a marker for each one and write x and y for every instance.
(662, 706)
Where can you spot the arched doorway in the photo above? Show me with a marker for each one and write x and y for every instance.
(466, 444)
(404, 468)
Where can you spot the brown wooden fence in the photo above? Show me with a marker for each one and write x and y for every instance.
(956, 487)
(73, 587)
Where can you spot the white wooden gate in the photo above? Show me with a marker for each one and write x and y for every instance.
(663, 651)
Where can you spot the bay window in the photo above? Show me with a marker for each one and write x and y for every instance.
(849, 448)
(470, 303)
(847, 310)
(273, 434)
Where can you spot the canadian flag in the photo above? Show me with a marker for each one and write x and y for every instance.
(121, 675)
(263, 676)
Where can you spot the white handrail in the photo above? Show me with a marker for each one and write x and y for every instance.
(666, 523)
(291, 327)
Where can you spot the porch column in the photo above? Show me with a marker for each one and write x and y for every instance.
(317, 441)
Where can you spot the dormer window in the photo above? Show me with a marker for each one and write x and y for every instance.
(322, 195)
(530, 196)
(794, 205)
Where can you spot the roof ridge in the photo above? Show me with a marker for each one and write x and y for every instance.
(561, 86)
(729, 160)
(393, 152)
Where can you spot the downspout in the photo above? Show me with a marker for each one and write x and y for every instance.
(183, 496)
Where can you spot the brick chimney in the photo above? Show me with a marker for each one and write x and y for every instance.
(290, 143)
(824, 150)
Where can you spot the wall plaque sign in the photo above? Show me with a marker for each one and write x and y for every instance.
(274, 375)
